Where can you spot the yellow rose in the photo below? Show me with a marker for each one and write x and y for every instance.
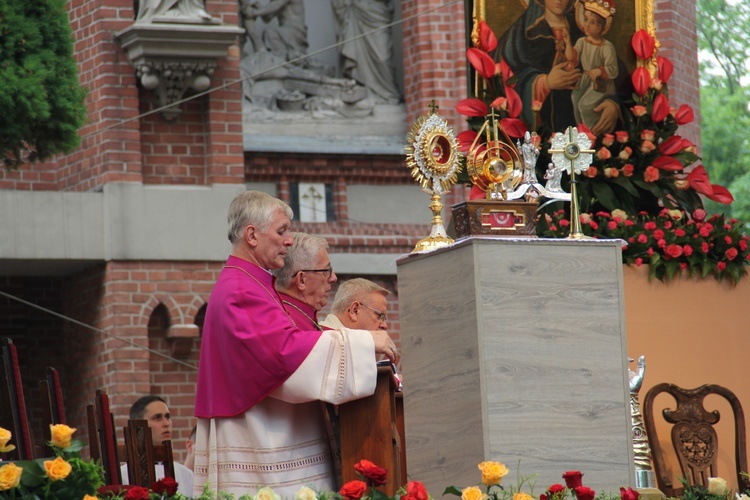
(522, 496)
(61, 435)
(266, 493)
(717, 486)
(472, 493)
(57, 469)
(619, 214)
(5, 436)
(10, 476)
(492, 472)
(305, 493)
(89, 497)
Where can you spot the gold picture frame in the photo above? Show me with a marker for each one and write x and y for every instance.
(631, 16)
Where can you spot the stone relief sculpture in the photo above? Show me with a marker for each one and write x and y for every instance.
(277, 34)
(367, 60)
(172, 11)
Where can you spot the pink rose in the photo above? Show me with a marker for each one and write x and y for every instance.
(611, 172)
(648, 135)
(674, 251)
(622, 136)
(699, 214)
(704, 247)
(638, 261)
(642, 238)
(721, 266)
(647, 147)
(625, 153)
(590, 172)
(731, 253)
(627, 170)
(651, 174)
(687, 250)
(612, 225)
(604, 154)
(608, 140)
(639, 110)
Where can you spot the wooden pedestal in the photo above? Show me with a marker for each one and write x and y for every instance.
(515, 351)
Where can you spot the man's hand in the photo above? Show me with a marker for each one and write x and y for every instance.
(608, 119)
(384, 344)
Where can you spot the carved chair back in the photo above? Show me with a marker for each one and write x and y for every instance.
(693, 436)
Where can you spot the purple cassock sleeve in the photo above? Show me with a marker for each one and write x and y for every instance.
(250, 346)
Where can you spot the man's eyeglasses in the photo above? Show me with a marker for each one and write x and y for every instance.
(381, 315)
(328, 270)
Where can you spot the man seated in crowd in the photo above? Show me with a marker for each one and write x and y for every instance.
(359, 304)
(154, 409)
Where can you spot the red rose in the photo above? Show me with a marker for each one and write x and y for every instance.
(704, 247)
(731, 253)
(564, 222)
(699, 214)
(727, 239)
(658, 234)
(627, 170)
(373, 473)
(687, 250)
(557, 490)
(166, 486)
(638, 261)
(705, 231)
(353, 490)
(642, 238)
(674, 251)
(743, 245)
(720, 266)
(573, 478)
(629, 494)
(584, 493)
(612, 225)
(137, 493)
(679, 232)
(415, 491)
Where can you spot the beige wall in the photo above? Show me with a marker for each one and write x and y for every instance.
(692, 332)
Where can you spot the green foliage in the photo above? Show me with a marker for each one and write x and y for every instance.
(725, 133)
(724, 32)
(40, 97)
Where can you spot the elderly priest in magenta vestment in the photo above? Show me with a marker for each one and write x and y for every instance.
(258, 368)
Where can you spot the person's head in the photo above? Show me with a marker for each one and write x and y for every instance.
(557, 7)
(307, 274)
(259, 228)
(593, 24)
(361, 304)
(153, 409)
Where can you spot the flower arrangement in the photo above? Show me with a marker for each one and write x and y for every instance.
(66, 476)
(669, 242)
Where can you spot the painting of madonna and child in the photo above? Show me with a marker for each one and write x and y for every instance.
(571, 57)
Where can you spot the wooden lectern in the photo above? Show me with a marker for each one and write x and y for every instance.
(372, 428)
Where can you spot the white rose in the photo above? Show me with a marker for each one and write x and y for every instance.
(741, 497)
(717, 486)
(266, 493)
(306, 493)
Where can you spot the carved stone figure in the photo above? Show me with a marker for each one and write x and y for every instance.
(641, 448)
(287, 40)
(166, 11)
(553, 176)
(368, 59)
(530, 153)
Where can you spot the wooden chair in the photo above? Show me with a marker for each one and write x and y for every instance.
(53, 408)
(142, 454)
(12, 403)
(102, 438)
(693, 436)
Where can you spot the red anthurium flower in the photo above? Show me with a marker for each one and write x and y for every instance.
(698, 179)
(687, 143)
(573, 478)
(504, 71)
(668, 163)
(584, 493)
(471, 106)
(643, 44)
(465, 140)
(487, 39)
(720, 195)
(514, 127)
(671, 146)
(665, 68)
(514, 102)
(481, 62)
(641, 80)
(684, 115)
(629, 494)
(660, 108)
